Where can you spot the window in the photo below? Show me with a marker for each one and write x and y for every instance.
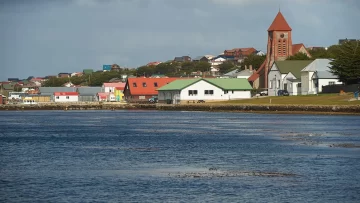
(232, 91)
(331, 83)
(57, 97)
(225, 91)
(270, 84)
(144, 84)
(67, 97)
(192, 92)
(299, 85)
(278, 84)
(155, 84)
(207, 92)
(134, 84)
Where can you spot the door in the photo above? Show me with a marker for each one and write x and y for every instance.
(285, 86)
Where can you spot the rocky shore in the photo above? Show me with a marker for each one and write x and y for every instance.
(306, 109)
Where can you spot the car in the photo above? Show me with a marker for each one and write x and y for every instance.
(283, 93)
(153, 99)
(264, 93)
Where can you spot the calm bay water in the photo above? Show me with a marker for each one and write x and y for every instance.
(132, 156)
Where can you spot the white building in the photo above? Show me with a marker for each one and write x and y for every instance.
(217, 61)
(206, 89)
(286, 75)
(66, 96)
(315, 75)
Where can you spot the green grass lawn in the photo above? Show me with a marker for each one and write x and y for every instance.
(321, 99)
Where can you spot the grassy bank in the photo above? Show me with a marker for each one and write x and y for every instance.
(321, 99)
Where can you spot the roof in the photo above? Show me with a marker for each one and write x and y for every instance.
(150, 88)
(231, 73)
(245, 72)
(296, 48)
(256, 74)
(86, 91)
(318, 65)
(118, 84)
(51, 90)
(66, 94)
(293, 66)
(222, 83)
(8, 86)
(279, 24)
(103, 95)
(294, 80)
(326, 75)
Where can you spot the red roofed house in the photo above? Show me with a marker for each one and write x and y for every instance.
(66, 96)
(240, 53)
(142, 89)
(103, 96)
(155, 63)
(279, 48)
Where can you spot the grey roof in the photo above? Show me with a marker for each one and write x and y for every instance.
(88, 91)
(246, 72)
(294, 80)
(198, 58)
(325, 75)
(318, 65)
(231, 73)
(51, 90)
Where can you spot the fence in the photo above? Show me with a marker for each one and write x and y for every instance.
(338, 88)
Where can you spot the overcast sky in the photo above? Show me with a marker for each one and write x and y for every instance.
(45, 37)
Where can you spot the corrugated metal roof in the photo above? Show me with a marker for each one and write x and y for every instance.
(318, 65)
(83, 91)
(325, 75)
(293, 66)
(51, 90)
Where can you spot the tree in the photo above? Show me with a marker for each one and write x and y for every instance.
(346, 63)
(145, 71)
(227, 66)
(17, 88)
(298, 56)
(55, 82)
(77, 80)
(255, 60)
(202, 66)
(187, 67)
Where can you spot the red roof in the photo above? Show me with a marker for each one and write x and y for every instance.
(66, 93)
(103, 95)
(296, 48)
(119, 88)
(118, 84)
(279, 24)
(149, 83)
(256, 74)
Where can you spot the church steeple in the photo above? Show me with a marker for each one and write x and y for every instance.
(279, 23)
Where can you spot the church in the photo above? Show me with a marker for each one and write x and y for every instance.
(279, 48)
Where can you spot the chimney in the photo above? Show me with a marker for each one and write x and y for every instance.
(250, 67)
(245, 67)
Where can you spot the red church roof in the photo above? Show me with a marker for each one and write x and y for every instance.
(66, 94)
(279, 24)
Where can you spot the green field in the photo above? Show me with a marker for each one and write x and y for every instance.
(321, 99)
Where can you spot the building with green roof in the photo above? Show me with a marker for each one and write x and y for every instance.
(204, 89)
(286, 75)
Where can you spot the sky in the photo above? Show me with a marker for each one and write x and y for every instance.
(45, 37)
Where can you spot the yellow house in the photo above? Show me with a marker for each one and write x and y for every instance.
(119, 95)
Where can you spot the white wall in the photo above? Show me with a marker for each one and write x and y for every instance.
(109, 89)
(307, 84)
(219, 94)
(63, 98)
(323, 82)
(271, 83)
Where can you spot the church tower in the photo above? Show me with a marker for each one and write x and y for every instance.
(279, 45)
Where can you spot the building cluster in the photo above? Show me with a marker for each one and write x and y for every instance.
(276, 73)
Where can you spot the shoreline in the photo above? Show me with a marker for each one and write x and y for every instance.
(213, 107)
